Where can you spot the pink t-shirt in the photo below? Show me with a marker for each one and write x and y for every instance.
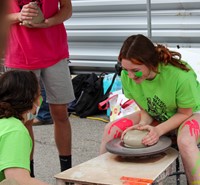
(35, 48)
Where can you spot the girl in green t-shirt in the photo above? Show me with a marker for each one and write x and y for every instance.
(19, 100)
(167, 91)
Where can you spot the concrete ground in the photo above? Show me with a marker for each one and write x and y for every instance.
(86, 137)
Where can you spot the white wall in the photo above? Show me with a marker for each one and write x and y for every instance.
(98, 28)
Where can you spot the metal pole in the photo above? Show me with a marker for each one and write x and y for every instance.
(149, 18)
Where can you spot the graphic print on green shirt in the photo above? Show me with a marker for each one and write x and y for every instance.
(157, 109)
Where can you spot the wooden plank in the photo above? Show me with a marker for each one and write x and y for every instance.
(108, 168)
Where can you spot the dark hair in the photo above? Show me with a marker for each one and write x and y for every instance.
(18, 91)
(140, 48)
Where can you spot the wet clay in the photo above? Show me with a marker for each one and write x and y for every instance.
(133, 138)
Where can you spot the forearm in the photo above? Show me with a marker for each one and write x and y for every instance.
(172, 123)
(34, 181)
(30, 181)
(145, 118)
(22, 176)
(63, 14)
(13, 18)
(29, 11)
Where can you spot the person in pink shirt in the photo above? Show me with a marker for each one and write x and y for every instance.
(43, 48)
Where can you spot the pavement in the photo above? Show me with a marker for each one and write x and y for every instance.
(86, 138)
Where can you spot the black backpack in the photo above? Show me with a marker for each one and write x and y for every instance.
(88, 89)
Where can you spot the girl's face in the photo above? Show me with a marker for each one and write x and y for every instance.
(36, 103)
(137, 71)
(35, 108)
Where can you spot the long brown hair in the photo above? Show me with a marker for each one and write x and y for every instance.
(140, 48)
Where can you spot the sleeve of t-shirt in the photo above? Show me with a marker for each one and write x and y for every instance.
(187, 91)
(15, 150)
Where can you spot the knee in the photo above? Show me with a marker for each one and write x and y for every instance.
(61, 116)
(186, 145)
(59, 112)
(107, 128)
(183, 146)
(182, 142)
(110, 130)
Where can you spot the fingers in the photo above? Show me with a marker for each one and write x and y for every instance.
(125, 131)
(150, 139)
(30, 8)
(28, 12)
(26, 24)
(144, 127)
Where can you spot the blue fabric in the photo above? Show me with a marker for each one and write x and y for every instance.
(44, 112)
(117, 85)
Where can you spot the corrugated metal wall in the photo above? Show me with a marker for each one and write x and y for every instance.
(98, 28)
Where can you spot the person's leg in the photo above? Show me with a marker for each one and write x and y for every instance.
(59, 91)
(44, 116)
(62, 133)
(188, 136)
(114, 129)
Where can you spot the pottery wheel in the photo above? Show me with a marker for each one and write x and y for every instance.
(117, 147)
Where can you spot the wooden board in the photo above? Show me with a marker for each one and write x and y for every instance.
(109, 168)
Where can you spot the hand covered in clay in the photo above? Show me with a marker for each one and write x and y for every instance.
(31, 16)
(44, 24)
(152, 137)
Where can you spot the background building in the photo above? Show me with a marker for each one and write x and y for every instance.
(98, 28)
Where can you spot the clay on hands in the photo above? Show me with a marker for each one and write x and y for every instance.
(37, 19)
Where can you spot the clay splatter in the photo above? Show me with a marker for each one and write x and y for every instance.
(194, 128)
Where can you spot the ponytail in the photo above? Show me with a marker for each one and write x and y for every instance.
(166, 56)
(6, 111)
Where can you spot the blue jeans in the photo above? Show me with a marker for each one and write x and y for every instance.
(44, 112)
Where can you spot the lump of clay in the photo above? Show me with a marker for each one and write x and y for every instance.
(133, 138)
(37, 19)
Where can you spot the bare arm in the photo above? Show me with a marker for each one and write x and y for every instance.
(63, 14)
(29, 11)
(22, 176)
(163, 128)
(175, 121)
(145, 119)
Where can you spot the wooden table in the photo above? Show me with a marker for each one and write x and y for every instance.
(109, 168)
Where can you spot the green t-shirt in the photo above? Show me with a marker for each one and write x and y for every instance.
(15, 145)
(172, 88)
